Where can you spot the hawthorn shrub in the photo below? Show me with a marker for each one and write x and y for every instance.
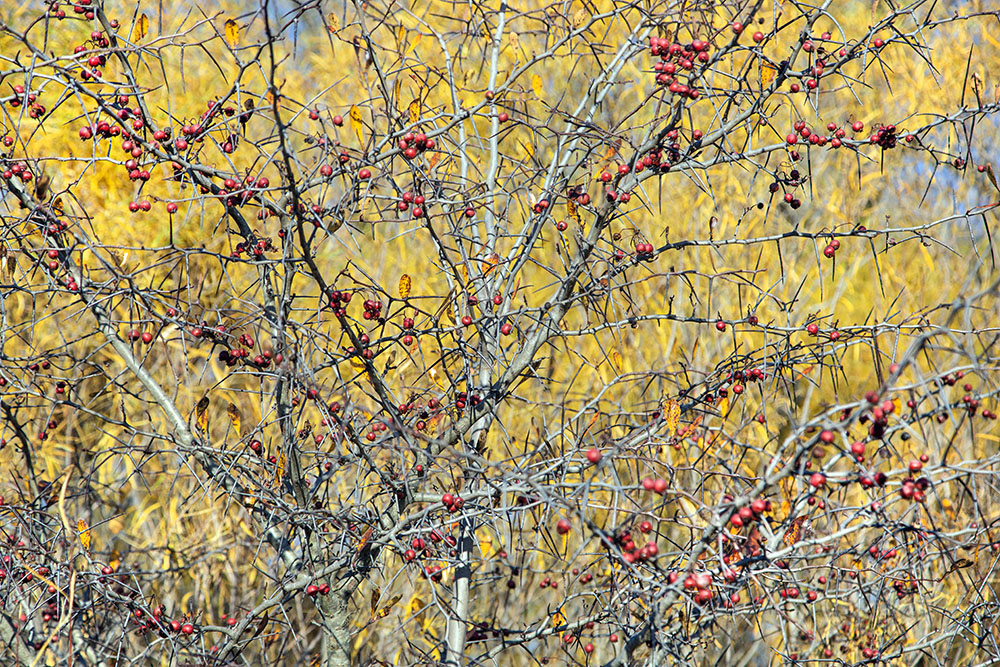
(582, 333)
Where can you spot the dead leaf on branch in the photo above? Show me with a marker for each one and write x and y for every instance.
(232, 30)
(201, 412)
(141, 28)
(356, 124)
(84, 530)
(235, 418)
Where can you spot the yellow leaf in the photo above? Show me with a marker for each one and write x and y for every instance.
(558, 619)
(794, 532)
(356, 124)
(357, 364)
(404, 286)
(384, 611)
(84, 530)
(373, 602)
(492, 262)
(416, 606)
(413, 43)
(235, 418)
(332, 22)
(723, 406)
(610, 153)
(579, 17)
(536, 85)
(232, 33)
(400, 36)
(571, 211)
(513, 40)
(280, 472)
(414, 110)
(141, 28)
(767, 74)
(672, 414)
(433, 423)
(486, 544)
(201, 410)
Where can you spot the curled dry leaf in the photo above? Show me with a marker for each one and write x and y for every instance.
(141, 27)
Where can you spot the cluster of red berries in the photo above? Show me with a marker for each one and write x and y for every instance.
(878, 415)
(632, 554)
(312, 590)
(913, 489)
(578, 194)
(373, 309)
(657, 484)
(644, 250)
(35, 110)
(255, 247)
(750, 513)
(94, 61)
(675, 58)
(885, 137)
(541, 206)
(904, 588)
(698, 584)
(377, 427)
(18, 170)
(338, 302)
(793, 592)
(414, 143)
(79, 7)
(746, 375)
(452, 502)
(416, 200)
(232, 357)
(144, 336)
(420, 548)
(831, 249)
(462, 398)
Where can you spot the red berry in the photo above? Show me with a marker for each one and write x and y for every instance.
(594, 455)
(563, 526)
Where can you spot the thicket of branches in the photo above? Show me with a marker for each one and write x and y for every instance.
(606, 333)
